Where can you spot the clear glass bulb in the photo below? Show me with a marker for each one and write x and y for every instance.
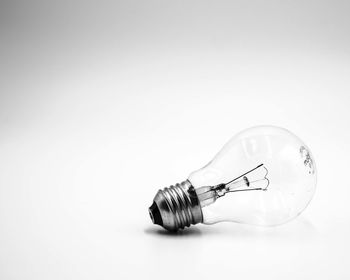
(264, 175)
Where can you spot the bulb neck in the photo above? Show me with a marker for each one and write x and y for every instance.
(176, 207)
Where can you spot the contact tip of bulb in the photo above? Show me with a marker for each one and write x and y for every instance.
(155, 214)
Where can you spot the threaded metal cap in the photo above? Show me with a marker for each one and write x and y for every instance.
(176, 207)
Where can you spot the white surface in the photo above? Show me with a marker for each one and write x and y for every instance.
(102, 105)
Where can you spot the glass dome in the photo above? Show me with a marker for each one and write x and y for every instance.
(280, 187)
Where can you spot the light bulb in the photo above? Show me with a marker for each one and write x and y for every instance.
(264, 175)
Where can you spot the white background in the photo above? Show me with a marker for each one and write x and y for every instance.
(102, 104)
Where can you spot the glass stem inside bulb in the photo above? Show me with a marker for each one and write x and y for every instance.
(253, 180)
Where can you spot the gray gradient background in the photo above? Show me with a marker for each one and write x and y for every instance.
(102, 103)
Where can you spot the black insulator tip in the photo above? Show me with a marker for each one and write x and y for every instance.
(155, 214)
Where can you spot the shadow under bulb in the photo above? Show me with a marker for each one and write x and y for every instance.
(264, 175)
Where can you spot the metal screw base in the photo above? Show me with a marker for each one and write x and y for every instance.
(176, 207)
